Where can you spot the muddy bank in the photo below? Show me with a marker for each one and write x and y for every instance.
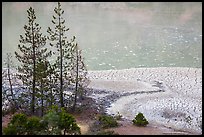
(170, 97)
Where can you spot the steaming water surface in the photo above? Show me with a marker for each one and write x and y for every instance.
(119, 35)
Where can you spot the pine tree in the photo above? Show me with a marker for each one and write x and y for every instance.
(63, 46)
(78, 75)
(8, 79)
(52, 89)
(42, 81)
(30, 54)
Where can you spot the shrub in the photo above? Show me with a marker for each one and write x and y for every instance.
(33, 125)
(17, 125)
(60, 121)
(21, 125)
(51, 118)
(53, 123)
(140, 120)
(107, 121)
(68, 123)
(118, 116)
(10, 130)
(19, 119)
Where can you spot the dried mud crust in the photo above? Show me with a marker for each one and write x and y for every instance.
(170, 96)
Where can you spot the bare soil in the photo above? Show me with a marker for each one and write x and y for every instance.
(89, 115)
(6, 119)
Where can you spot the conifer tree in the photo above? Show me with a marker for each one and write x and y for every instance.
(32, 49)
(63, 46)
(78, 74)
(52, 89)
(8, 79)
(42, 81)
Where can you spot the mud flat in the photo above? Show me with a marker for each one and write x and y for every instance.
(168, 97)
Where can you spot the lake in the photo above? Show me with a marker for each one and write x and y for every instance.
(119, 35)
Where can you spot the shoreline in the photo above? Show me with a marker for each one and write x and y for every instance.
(130, 91)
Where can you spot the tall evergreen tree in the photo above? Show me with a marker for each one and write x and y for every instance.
(46, 80)
(78, 71)
(52, 88)
(8, 78)
(42, 81)
(32, 49)
(63, 46)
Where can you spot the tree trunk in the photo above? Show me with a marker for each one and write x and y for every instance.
(76, 86)
(51, 96)
(61, 81)
(14, 105)
(33, 95)
(42, 105)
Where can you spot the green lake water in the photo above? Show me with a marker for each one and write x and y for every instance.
(119, 35)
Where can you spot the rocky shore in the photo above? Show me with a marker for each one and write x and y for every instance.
(171, 97)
